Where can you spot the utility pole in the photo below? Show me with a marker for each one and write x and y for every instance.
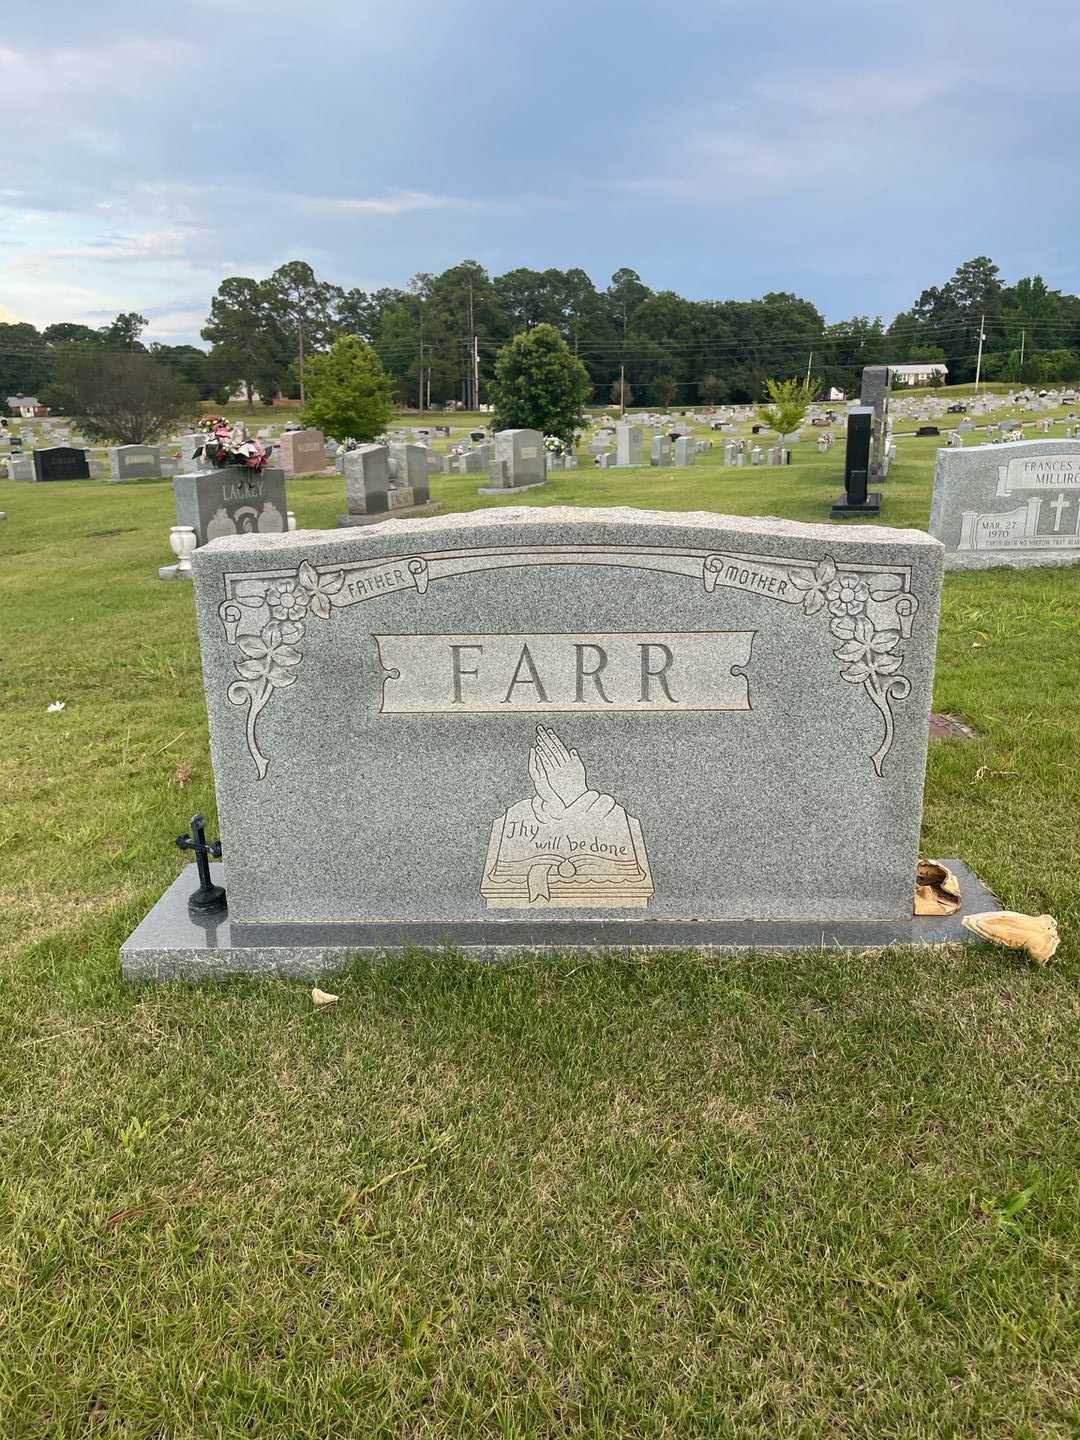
(420, 368)
(808, 364)
(476, 373)
(473, 386)
(300, 338)
(1023, 337)
(622, 391)
(978, 363)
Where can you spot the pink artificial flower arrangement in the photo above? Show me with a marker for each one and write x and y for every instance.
(227, 444)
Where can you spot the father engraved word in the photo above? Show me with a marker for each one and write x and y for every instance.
(498, 674)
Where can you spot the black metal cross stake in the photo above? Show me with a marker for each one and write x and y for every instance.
(209, 897)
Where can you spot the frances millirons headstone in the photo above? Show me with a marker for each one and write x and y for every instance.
(1015, 504)
(559, 727)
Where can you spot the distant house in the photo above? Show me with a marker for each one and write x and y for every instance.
(29, 407)
(920, 373)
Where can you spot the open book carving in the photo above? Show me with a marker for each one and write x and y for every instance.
(566, 845)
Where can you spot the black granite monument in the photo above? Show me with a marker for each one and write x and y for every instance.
(61, 462)
(855, 499)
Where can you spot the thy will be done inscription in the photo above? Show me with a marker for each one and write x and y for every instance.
(492, 673)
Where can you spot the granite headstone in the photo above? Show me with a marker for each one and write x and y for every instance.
(303, 452)
(629, 445)
(231, 501)
(519, 459)
(553, 727)
(1014, 503)
(135, 462)
(61, 462)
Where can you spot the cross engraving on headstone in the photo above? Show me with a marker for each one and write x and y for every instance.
(208, 898)
(1059, 505)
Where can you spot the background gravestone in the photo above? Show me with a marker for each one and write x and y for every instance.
(303, 452)
(519, 459)
(367, 480)
(874, 392)
(629, 445)
(856, 499)
(1014, 504)
(190, 441)
(371, 491)
(685, 450)
(412, 470)
(234, 500)
(135, 462)
(61, 462)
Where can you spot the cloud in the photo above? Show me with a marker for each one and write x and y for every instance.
(401, 202)
(863, 93)
(146, 246)
(43, 78)
(796, 128)
(175, 326)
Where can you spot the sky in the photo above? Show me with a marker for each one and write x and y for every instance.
(851, 153)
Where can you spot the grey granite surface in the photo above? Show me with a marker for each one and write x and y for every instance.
(1015, 505)
(170, 944)
(232, 500)
(569, 715)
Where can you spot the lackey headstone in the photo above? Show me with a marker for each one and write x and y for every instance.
(559, 727)
(234, 500)
(61, 462)
(1015, 503)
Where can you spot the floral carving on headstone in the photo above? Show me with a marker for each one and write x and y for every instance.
(869, 651)
(270, 656)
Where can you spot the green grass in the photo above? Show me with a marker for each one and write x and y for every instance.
(767, 1196)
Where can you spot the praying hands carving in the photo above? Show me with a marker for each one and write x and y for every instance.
(559, 779)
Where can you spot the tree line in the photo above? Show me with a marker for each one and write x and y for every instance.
(439, 338)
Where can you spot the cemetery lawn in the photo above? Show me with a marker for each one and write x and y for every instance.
(760, 1196)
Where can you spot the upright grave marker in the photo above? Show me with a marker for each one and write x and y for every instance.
(559, 727)
(856, 500)
(660, 453)
(1015, 504)
(876, 384)
(135, 462)
(231, 501)
(518, 463)
(370, 492)
(61, 462)
(303, 452)
(629, 445)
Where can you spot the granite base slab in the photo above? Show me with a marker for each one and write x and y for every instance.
(170, 944)
(510, 489)
(173, 572)
(1010, 559)
(871, 506)
(407, 512)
